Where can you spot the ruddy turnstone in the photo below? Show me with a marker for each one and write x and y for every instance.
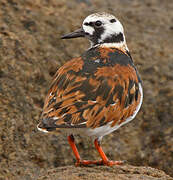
(96, 93)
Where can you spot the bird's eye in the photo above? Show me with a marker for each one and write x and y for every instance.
(98, 23)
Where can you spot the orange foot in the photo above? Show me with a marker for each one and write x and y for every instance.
(88, 162)
(101, 162)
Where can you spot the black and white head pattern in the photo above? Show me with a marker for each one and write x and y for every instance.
(104, 28)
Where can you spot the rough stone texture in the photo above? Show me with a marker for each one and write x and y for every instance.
(30, 53)
(126, 172)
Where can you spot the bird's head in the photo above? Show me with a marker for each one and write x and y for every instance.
(101, 29)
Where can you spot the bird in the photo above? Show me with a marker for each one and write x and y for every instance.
(96, 93)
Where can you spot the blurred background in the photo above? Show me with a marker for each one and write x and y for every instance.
(30, 53)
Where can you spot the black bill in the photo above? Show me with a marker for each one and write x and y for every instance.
(75, 34)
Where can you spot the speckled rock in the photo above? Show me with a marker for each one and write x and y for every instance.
(125, 172)
(30, 53)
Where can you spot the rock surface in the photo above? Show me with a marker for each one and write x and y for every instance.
(30, 53)
(126, 172)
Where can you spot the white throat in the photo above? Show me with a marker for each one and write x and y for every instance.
(120, 45)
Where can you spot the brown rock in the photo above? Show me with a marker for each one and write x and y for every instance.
(125, 172)
(30, 53)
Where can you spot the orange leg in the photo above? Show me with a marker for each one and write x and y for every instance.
(105, 160)
(79, 162)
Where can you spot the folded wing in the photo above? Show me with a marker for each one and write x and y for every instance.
(90, 95)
